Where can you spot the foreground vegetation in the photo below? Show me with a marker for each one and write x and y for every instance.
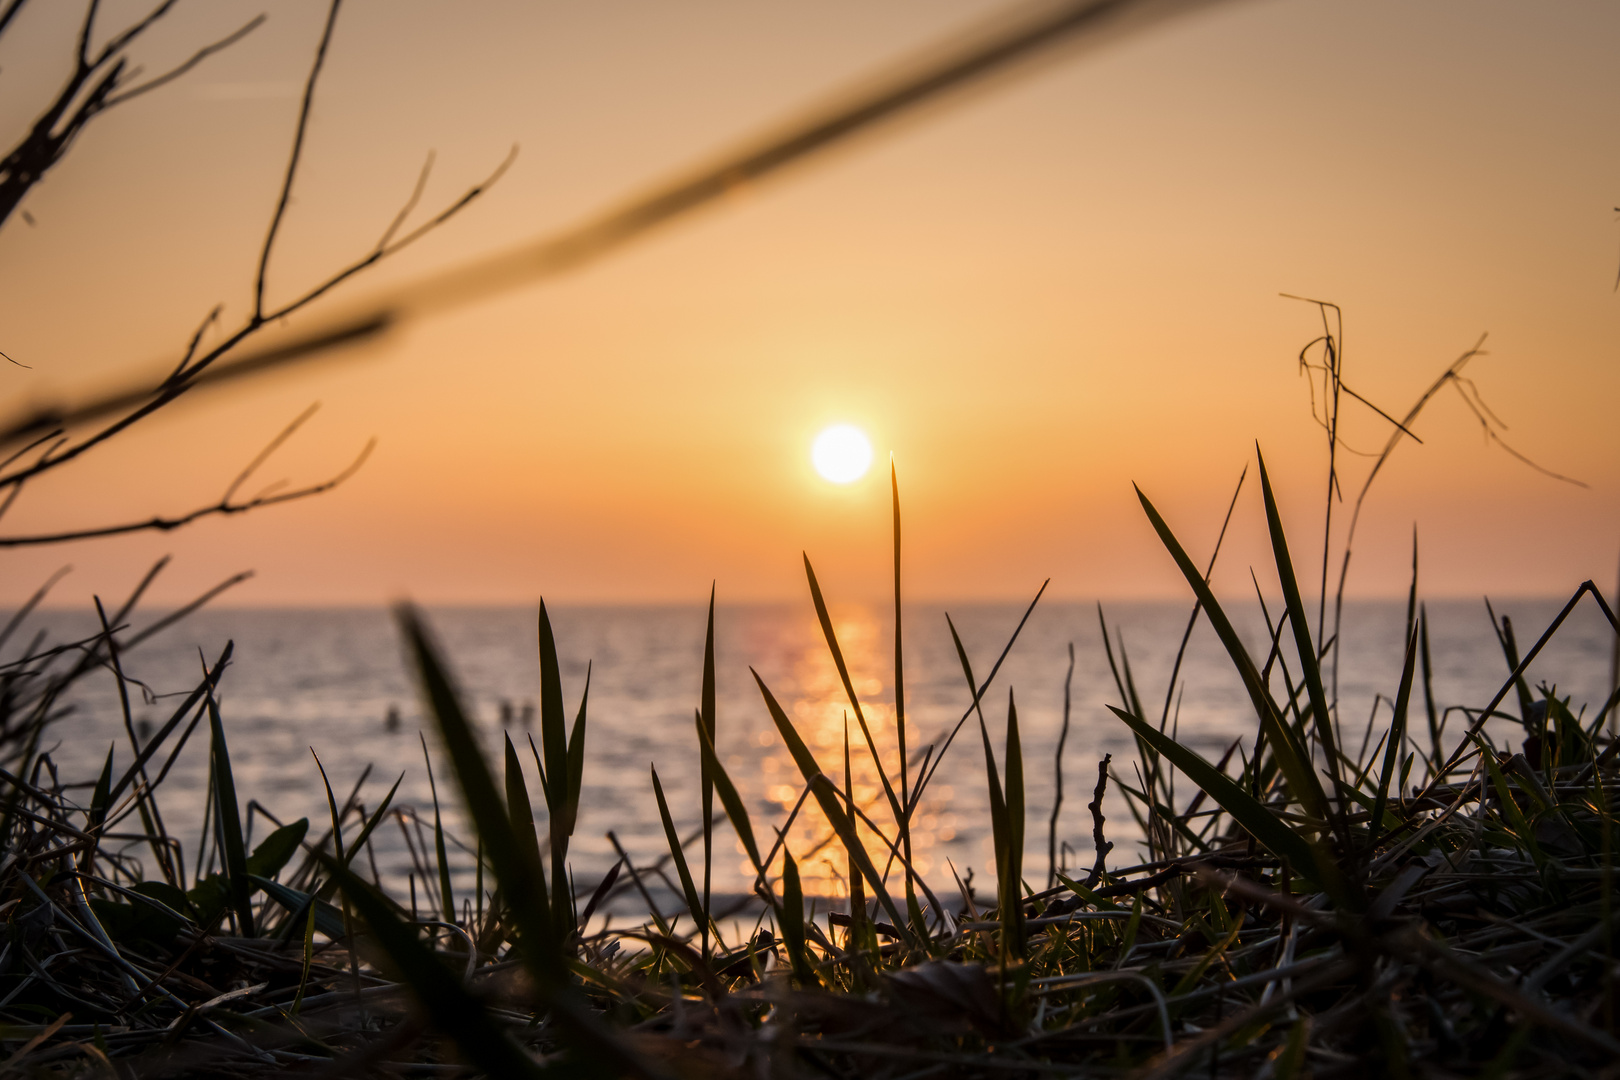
(1432, 905)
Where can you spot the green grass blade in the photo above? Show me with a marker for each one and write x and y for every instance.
(328, 919)
(229, 823)
(520, 879)
(1428, 687)
(452, 1009)
(729, 799)
(521, 812)
(98, 798)
(1291, 757)
(825, 619)
(1309, 665)
(553, 727)
(275, 851)
(1277, 837)
(827, 796)
(558, 773)
(576, 757)
(700, 915)
(309, 960)
(1396, 740)
(792, 920)
(857, 893)
(210, 680)
(706, 719)
(447, 896)
(337, 846)
(899, 651)
(1015, 799)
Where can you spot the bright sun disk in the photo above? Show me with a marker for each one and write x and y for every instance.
(842, 453)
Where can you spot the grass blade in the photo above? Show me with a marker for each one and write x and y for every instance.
(98, 798)
(1396, 740)
(1310, 668)
(792, 921)
(1291, 757)
(521, 881)
(558, 771)
(228, 821)
(1015, 813)
(827, 796)
(447, 896)
(700, 914)
(729, 799)
(576, 757)
(519, 878)
(706, 720)
(447, 1003)
(521, 811)
(849, 690)
(1248, 811)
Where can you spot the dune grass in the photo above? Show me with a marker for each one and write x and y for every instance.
(1435, 904)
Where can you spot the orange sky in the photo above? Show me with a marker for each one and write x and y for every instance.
(1032, 296)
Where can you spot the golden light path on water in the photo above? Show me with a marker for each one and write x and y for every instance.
(821, 713)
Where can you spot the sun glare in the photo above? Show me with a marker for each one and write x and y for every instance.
(842, 453)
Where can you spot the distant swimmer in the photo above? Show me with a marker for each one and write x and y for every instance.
(391, 721)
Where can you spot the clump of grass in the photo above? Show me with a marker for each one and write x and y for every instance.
(1306, 911)
(1432, 904)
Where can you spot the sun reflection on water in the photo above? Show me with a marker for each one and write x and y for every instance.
(822, 715)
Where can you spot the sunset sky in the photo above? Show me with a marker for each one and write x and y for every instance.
(1032, 295)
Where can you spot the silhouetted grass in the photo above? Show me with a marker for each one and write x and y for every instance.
(1442, 907)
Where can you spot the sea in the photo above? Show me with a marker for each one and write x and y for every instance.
(336, 683)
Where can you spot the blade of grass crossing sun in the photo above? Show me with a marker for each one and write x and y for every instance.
(1244, 808)
(228, 821)
(1291, 757)
(827, 796)
(1395, 741)
(694, 904)
(1311, 669)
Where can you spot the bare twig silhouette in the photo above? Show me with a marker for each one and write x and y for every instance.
(996, 47)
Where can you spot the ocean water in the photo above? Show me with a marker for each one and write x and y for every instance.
(327, 680)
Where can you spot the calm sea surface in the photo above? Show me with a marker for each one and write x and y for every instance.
(327, 680)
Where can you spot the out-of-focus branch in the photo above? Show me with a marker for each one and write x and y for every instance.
(995, 48)
(224, 507)
(97, 83)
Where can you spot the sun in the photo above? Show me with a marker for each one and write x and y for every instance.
(842, 453)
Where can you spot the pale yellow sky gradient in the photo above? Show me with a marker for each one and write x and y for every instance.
(1032, 297)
